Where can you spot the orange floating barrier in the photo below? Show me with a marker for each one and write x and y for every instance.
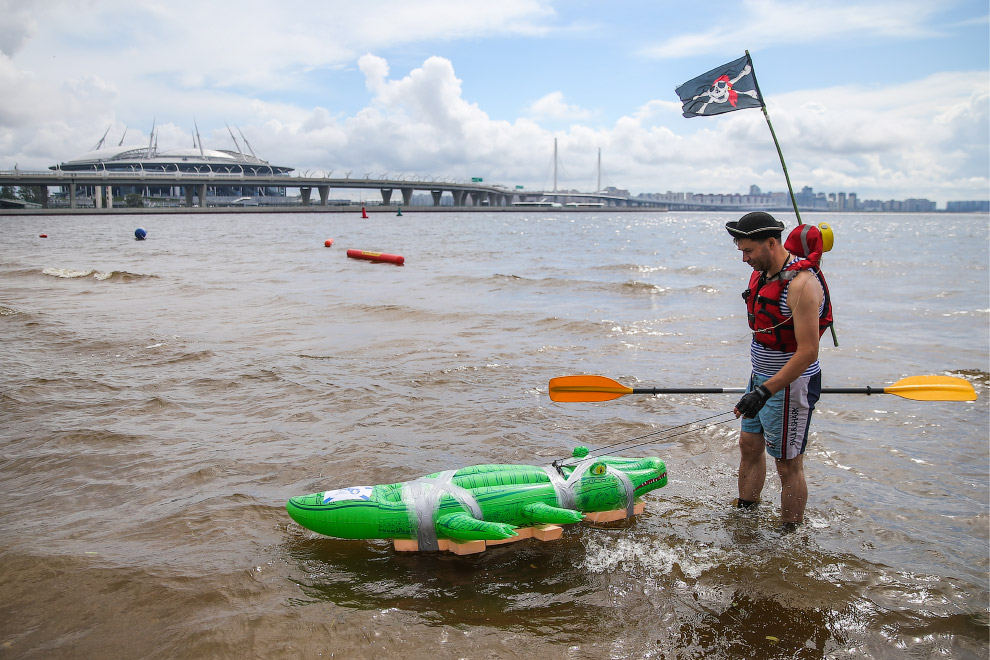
(328, 242)
(396, 259)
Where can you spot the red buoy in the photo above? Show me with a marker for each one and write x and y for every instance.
(396, 259)
(328, 242)
(42, 235)
(364, 213)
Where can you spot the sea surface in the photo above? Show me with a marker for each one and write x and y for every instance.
(160, 400)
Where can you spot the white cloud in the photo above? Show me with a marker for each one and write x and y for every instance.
(553, 106)
(769, 22)
(375, 70)
(18, 25)
(249, 44)
(876, 141)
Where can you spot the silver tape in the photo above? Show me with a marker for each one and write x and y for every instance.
(564, 488)
(422, 500)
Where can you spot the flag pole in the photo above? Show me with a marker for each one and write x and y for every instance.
(763, 106)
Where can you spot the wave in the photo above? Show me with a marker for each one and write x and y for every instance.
(21, 272)
(648, 269)
(634, 286)
(501, 282)
(112, 276)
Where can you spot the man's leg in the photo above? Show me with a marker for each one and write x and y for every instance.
(752, 465)
(799, 402)
(794, 489)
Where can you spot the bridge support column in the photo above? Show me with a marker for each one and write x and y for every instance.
(324, 194)
(305, 193)
(437, 194)
(189, 196)
(458, 197)
(72, 195)
(386, 196)
(109, 193)
(406, 196)
(202, 195)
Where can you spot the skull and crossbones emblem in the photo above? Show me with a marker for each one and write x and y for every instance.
(722, 90)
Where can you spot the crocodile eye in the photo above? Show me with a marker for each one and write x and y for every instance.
(598, 469)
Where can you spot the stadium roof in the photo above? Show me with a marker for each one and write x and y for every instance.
(150, 159)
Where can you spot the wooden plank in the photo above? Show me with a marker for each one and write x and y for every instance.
(522, 532)
(614, 514)
(411, 545)
(466, 547)
(548, 532)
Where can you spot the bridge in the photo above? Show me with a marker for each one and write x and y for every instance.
(194, 187)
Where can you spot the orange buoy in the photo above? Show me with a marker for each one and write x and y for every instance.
(328, 242)
(396, 259)
(42, 235)
(364, 213)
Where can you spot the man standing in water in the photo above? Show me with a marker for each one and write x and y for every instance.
(789, 309)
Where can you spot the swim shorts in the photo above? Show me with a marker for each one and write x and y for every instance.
(785, 419)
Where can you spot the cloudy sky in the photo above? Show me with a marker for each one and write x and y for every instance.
(885, 98)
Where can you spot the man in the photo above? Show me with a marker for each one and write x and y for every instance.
(789, 309)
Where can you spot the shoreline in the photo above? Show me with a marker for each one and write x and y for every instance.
(394, 210)
(318, 209)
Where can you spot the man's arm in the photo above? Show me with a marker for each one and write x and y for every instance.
(804, 297)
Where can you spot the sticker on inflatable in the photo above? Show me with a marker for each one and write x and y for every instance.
(341, 494)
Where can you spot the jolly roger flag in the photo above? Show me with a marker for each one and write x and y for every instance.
(726, 88)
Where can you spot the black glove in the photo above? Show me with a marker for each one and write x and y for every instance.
(753, 402)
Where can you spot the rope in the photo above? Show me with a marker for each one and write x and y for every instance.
(667, 434)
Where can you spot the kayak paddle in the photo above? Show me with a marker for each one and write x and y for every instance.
(916, 388)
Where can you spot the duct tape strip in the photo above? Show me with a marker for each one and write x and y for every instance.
(628, 487)
(564, 488)
(422, 499)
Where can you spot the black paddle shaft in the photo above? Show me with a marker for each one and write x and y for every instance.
(740, 390)
(687, 390)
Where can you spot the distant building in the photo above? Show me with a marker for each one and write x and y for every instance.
(918, 206)
(968, 207)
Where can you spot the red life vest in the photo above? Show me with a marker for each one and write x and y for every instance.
(770, 326)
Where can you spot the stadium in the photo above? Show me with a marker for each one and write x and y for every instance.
(195, 160)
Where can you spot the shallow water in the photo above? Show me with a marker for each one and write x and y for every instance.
(160, 400)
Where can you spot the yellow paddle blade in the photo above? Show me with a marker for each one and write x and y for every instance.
(586, 388)
(933, 388)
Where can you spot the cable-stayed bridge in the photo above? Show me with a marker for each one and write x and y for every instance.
(196, 188)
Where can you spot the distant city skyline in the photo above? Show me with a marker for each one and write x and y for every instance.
(807, 200)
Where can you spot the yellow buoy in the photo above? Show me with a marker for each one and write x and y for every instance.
(828, 238)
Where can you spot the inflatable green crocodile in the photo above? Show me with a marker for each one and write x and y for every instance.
(485, 502)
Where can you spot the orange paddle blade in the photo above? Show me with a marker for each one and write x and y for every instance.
(586, 388)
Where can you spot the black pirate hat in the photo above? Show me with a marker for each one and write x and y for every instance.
(755, 225)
